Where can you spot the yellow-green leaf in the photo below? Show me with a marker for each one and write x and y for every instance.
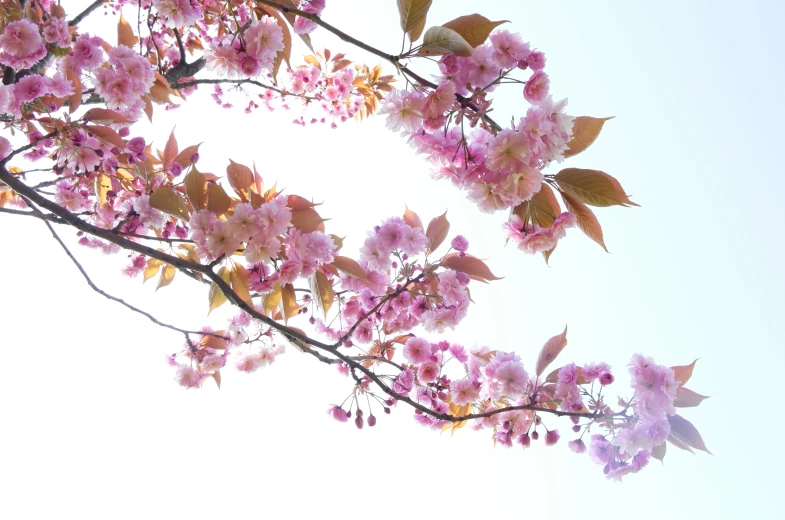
(413, 14)
(593, 187)
(585, 130)
(474, 28)
(349, 266)
(217, 297)
(217, 199)
(169, 201)
(167, 275)
(272, 300)
(441, 40)
(239, 279)
(289, 300)
(196, 189)
(322, 292)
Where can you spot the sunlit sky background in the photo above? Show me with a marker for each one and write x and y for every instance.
(92, 424)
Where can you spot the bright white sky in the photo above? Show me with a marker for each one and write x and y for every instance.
(92, 424)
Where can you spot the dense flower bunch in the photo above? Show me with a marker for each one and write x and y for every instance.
(269, 254)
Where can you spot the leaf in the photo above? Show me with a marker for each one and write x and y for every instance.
(125, 35)
(686, 398)
(169, 201)
(240, 178)
(170, 152)
(167, 275)
(104, 116)
(217, 297)
(413, 14)
(196, 189)
(684, 432)
(411, 218)
(184, 157)
(148, 107)
(550, 350)
(295, 202)
(587, 222)
(272, 300)
(441, 40)
(322, 292)
(153, 266)
(544, 207)
(658, 452)
(307, 220)
(75, 99)
(291, 19)
(547, 254)
(349, 266)
(217, 199)
(106, 134)
(474, 28)
(437, 231)
(683, 373)
(239, 279)
(470, 265)
(289, 299)
(585, 130)
(593, 187)
(102, 186)
(217, 378)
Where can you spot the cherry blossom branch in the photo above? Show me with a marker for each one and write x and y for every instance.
(392, 58)
(177, 262)
(219, 81)
(84, 14)
(41, 216)
(120, 300)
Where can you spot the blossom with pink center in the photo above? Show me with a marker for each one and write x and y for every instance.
(29, 88)
(459, 353)
(338, 413)
(220, 241)
(600, 450)
(484, 69)
(509, 149)
(439, 100)
(261, 249)
(450, 288)
(403, 382)
(404, 110)
(508, 48)
(56, 31)
(536, 60)
(224, 59)
(188, 377)
(263, 40)
(21, 45)
(511, 380)
(464, 391)
(178, 13)
(459, 243)
(86, 53)
(536, 88)
(417, 350)
(289, 271)
(413, 241)
(428, 372)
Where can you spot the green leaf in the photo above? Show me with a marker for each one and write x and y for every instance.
(170, 202)
(413, 14)
(474, 28)
(441, 40)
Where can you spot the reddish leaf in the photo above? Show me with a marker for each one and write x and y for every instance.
(307, 220)
(586, 219)
(349, 266)
(437, 231)
(184, 157)
(107, 135)
(125, 35)
(217, 199)
(683, 373)
(170, 152)
(593, 187)
(411, 218)
(550, 350)
(104, 116)
(75, 99)
(685, 433)
(240, 176)
(295, 202)
(474, 267)
(686, 398)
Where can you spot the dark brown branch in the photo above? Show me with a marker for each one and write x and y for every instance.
(84, 14)
(392, 58)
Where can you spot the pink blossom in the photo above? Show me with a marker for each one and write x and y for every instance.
(459, 243)
(511, 379)
(57, 32)
(577, 446)
(29, 88)
(21, 44)
(428, 372)
(439, 100)
(338, 413)
(464, 391)
(289, 271)
(509, 149)
(188, 377)
(403, 382)
(417, 350)
(178, 13)
(86, 53)
(264, 39)
(536, 88)
(552, 437)
(600, 449)
(459, 353)
(509, 49)
(536, 60)
(404, 110)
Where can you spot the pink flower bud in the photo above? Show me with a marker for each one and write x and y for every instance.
(359, 423)
(577, 446)
(552, 437)
(535, 435)
(524, 440)
(371, 421)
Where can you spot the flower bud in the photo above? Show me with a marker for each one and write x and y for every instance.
(524, 440)
(371, 421)
(535, 435)
(386, 410)
(359, 423)
(552, 437)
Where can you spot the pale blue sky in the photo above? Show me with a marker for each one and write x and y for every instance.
(93, 423)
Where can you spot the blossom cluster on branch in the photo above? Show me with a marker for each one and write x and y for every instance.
(70, 100)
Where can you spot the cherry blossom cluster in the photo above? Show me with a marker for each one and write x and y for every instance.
(498, 168)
